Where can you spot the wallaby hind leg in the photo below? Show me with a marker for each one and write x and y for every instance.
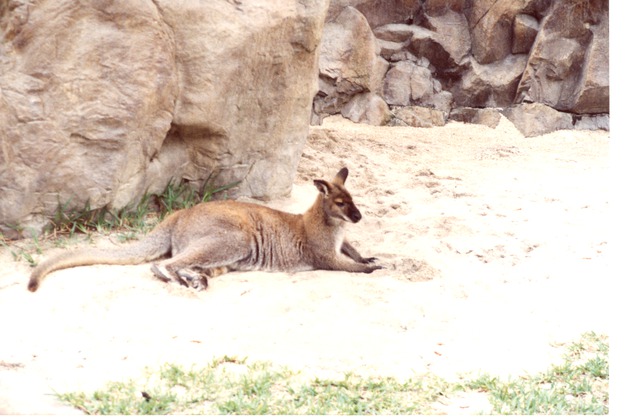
(194, 265)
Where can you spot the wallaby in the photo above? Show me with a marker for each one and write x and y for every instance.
(213, 238)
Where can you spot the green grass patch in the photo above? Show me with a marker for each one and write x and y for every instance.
(227, 386)
(232, 386)
(128, 223)
(578, 386)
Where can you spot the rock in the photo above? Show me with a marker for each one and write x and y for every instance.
(442, 101)
(525, 29)
(491, 85)
(407, 83)
(348, 63)
(425, 43)
(92, 106)
(444, 51)
(593, 122)
(367, 108)
(417, 116)
(451, 32)
(440, 7)
(491, 26)
(568, 63)
(486, 116)
(397, 32)
(348, 52)
(493, 53)
(592, 94)
(389, 49)
(378, 12)
(537, 119)
(129, 95)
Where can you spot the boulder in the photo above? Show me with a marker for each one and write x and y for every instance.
(534, 119)
(398, 32)
(568, 63)
(492, 53)
(445, 51)
(490, 85)
(377, 12)
(592, 122)
(417, 116)
(486, 116)
(491, 26)
(348, 63)
(91, 105)
(451, 32)
(407, 83)
(440, 7)
(525, 30)
(367, 108)
(129, 95)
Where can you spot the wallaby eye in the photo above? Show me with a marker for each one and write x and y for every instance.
(340, 204)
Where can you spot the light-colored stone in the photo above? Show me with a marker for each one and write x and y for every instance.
(367, 108)
(569, 61)
(349, 64)
(496, 53)
(487, 116)
(491, 29)
(525, 29)
(491, 85)
(109, 100)
(378, 12)
(537, 119)
(593, 122)
(418, 116)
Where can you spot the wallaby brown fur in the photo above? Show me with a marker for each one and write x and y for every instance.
(213, 238)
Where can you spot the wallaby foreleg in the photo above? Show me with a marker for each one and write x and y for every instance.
(351, 252)
(338, 264)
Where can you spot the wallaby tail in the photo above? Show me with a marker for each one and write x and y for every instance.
(153, 246)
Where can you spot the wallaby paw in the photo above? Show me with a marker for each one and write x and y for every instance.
(162, 274)
(369, 260)
(193, 279)
(373, 268)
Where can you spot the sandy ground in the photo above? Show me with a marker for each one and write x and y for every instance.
(496, 251)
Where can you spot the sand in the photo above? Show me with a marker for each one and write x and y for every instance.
(496, 251)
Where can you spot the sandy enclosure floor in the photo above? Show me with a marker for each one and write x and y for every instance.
(495, 245)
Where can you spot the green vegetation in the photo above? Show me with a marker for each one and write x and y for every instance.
(579, 386)
(232, 386)
(127, 223)
(257, 389)
(150, 210)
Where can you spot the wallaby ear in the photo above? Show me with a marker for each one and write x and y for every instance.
(341, 176)
(323, 186)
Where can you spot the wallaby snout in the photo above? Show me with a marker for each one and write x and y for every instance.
(355, 214)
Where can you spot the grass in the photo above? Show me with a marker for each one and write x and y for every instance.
(127, 223)
(579, 386)
(259, 389)
(233, 386)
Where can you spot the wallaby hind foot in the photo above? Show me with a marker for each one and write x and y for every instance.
(196, 279)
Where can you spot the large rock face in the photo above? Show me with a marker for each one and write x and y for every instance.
(452, 54)
(568, 63)
(101, 102)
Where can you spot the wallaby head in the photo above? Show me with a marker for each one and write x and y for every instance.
(336, 200)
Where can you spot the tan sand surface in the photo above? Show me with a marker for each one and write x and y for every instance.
(495, 246)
